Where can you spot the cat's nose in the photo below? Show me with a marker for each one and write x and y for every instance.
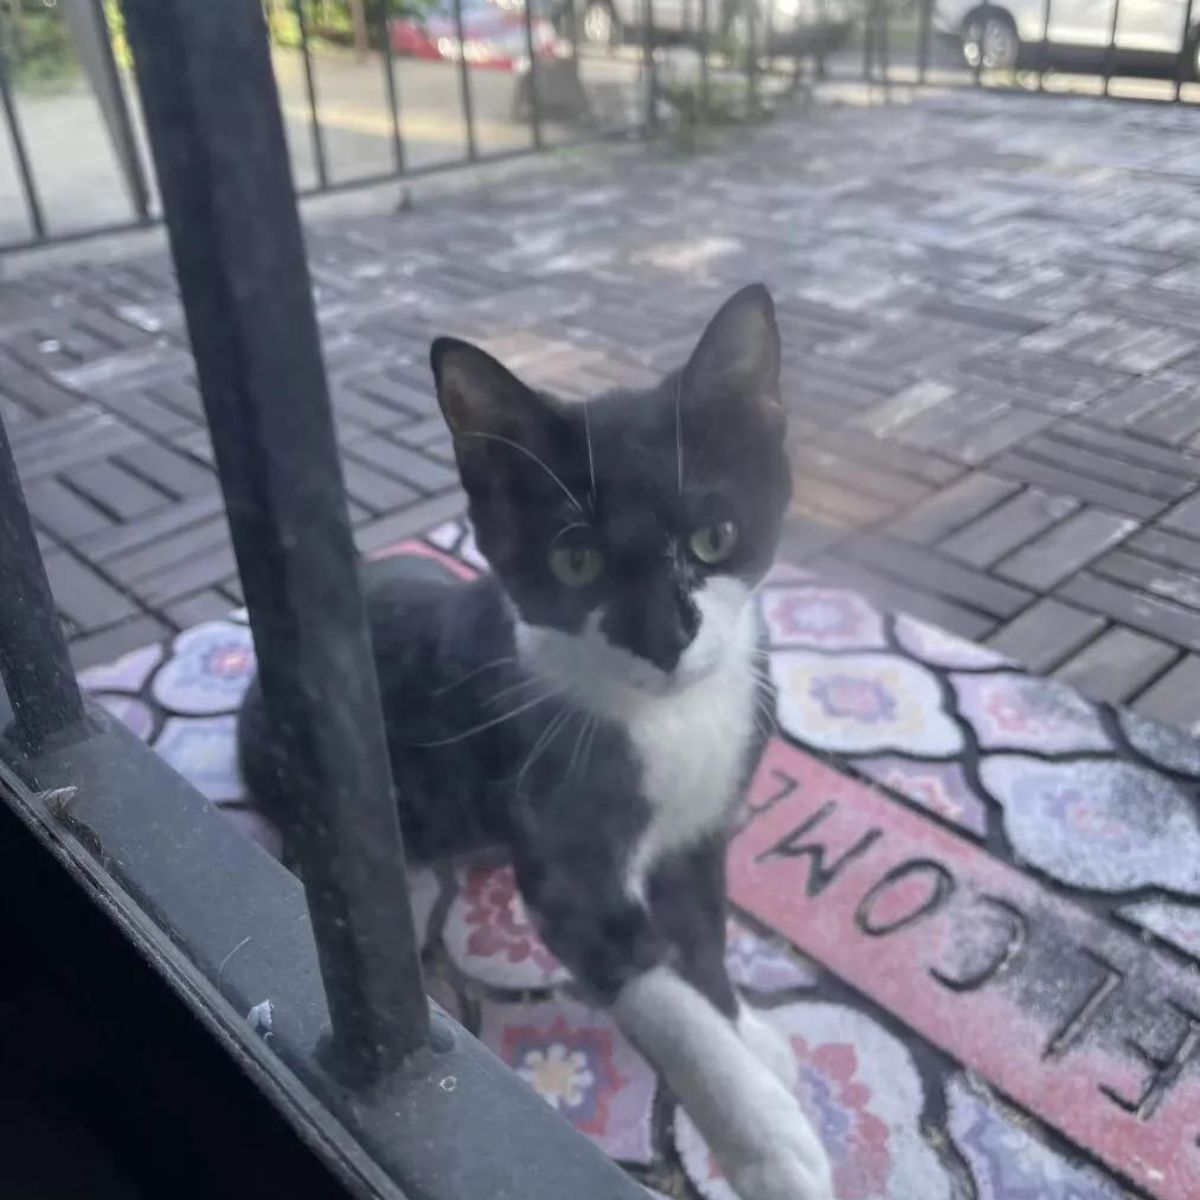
(658, 624)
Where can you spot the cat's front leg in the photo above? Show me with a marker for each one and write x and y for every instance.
(750, 1120)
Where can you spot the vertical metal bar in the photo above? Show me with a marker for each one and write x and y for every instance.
(1188, 52)
(1110, 55)
(384, 33)
(752, 54)
(1044, 48)
(215, 127)
(310, 86)
(649, 68)
(869, 22)
(464, 83)
(884, 47)
(16, 137)
(89, 31)
(34, 664)
(982, 27)
(923, 38)
(573, 32)
(704, 53)
(535, 105)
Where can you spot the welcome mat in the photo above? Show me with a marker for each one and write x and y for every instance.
(969, 897)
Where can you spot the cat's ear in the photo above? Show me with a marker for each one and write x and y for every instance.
(479, 396)
(737, 357)
(501, 428)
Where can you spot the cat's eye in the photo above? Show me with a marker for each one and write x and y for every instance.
(713, 544)
(576, 566)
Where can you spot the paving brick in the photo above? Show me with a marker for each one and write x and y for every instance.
(84, 596)
(1046, 633)
(57, 446)
(374, 490)
(175, 473)
(1107, 464)
(1017, 520)
(1064, 549)
(1122, 448)
(811, 462)
(422, 472)
(1175, 698)
(168, 522)
(898, 596)
(142, 409)
(1184, 517)
(1167, 547)
(840, 503)
(91, 650)
(1150, 576)
(425, 514)
(1071, 483)
(952, 507)
(64, 513)
(208, 605)
(1117, 665)
(116, 491)
(134, 567)
(1128, 606)
(204, 570)
(929, 469)
(936, 573)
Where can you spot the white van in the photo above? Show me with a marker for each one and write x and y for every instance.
(1149, 32)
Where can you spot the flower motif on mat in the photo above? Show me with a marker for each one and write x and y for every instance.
(1011, 711)
(860, 1089)
(825, 618)
(576, 1059)
(490, 936)
(755, 963)
(1007, 1161)
(209, 670)
(861, 703)
(204, 751)
(1102, 824)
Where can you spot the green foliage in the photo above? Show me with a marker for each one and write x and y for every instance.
(37, 45)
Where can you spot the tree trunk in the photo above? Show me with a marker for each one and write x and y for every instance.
(358, 16)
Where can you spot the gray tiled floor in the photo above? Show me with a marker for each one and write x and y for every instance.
(992, 354)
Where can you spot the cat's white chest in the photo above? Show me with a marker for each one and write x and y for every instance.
(692, 751)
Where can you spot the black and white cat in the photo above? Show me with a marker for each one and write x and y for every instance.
(592, 704)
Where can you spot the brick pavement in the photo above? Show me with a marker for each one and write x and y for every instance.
(992, 350)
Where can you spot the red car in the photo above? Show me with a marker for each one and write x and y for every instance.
(493, 35)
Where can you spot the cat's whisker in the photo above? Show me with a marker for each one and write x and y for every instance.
(504, 692)
(553, 728)
(679, 430)
(496, 662)
(508, 716)
(587, 434)
(495, 437)
(587, 725)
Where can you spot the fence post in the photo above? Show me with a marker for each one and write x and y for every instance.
(213, 116)
(16, 136)
(310, 88)
(1188, 51)
(649, 67)
(383, 31)
(464, 83)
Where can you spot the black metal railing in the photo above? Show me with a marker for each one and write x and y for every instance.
(384, 1063)
(749, 42)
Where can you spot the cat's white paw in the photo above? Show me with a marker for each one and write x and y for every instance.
(787, 1161)
(769, 1046)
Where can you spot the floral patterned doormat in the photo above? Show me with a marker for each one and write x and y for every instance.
(969, 897)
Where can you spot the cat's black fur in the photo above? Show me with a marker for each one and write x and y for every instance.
(633, 474)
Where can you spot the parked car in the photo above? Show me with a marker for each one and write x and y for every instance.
(1148, 36)
(493, 35)
(795, 26)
